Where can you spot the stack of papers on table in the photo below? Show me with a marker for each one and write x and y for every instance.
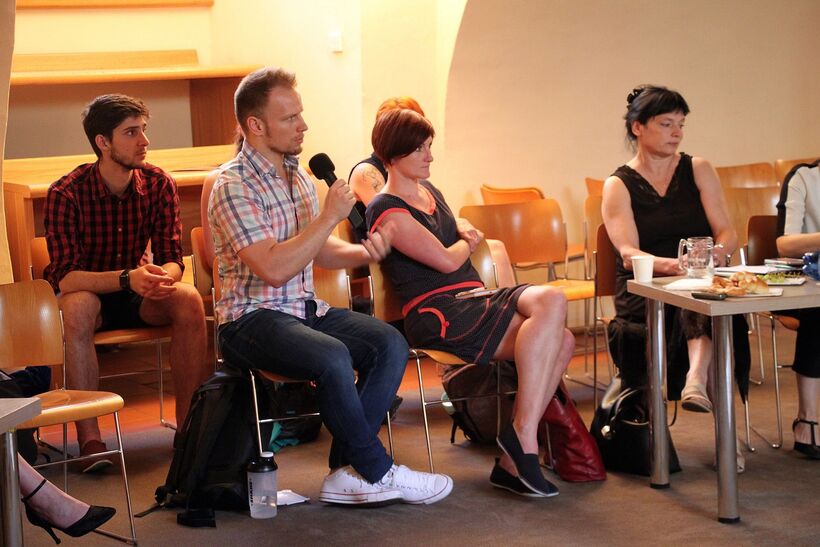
(687, 284)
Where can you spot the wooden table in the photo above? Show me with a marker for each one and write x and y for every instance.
(12, 412)
(26, 182)
(804, 296)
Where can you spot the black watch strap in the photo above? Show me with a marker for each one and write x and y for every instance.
(125, 282)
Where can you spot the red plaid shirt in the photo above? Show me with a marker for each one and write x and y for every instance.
(90, 229)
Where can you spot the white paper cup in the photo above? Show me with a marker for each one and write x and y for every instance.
(642, 267)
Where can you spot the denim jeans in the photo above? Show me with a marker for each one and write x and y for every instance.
(327, 350)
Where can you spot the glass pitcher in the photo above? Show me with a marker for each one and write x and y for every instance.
(696, 257)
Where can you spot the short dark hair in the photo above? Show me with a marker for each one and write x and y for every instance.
(252, 92)
(399, 132)
(647, 101)
(106, 112)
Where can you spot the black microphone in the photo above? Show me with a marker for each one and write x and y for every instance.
(323, 168)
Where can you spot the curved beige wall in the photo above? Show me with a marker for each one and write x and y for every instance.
(537, 89)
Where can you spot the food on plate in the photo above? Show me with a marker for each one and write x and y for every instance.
(738, 284)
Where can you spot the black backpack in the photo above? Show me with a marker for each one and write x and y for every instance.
(477, 417)
(212, 449)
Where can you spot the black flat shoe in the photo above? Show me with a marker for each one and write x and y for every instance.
(812, 451)
(500, 478)
(527, 465)
(93, 519)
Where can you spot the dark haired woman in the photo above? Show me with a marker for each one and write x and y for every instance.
(659, 197)
(430, 265)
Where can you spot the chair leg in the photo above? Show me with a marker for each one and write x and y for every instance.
(778, 410)
(748, 425)
(256, 413)
(390, 436)
(424, 410)
(162, 420)
(755, 322)
(133, 539)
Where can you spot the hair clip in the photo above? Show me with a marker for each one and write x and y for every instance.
(634, 95)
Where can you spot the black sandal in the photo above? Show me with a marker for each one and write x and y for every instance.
(812, 451)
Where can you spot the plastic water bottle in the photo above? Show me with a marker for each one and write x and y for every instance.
(262, 486)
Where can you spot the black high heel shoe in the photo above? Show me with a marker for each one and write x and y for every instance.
(810, 450)
(93, 519)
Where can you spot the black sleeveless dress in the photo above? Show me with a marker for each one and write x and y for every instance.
(433, 317)
(662, 221)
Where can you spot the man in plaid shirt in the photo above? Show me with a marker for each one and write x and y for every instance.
(99, 220)
(268, 231)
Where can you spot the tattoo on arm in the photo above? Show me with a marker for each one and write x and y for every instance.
(375, 179)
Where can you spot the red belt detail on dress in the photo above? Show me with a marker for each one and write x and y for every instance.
(422, 297)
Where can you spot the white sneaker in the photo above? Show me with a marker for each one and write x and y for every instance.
(418, 487)
(346, 486)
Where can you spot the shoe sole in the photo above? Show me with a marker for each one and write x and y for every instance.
(529, 494)
(97, 466)
(443, 493)
(360, 500)
(695, 406)
(523, 480)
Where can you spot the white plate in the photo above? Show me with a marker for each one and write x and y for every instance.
(772, 292)
(798, 280)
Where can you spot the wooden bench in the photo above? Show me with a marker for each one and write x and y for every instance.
(210, 88)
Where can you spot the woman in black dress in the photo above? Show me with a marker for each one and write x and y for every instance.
(430, 264)
(649, 204)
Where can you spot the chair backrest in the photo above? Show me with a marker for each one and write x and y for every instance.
(592, 219)
(31, 331)
(761, 239)
(332, 286)
(604, 263)
(782, 167)
(203, 273)
(752, 175)
(386, 303)
(485, 265)
(39, 257)
(595, 187)
(743, 203)
(493, 195)
(532, 231)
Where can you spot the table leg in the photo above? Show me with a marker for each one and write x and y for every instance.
(12, 523)
(725, 441)
(658, 440)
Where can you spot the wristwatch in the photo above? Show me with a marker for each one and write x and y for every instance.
(125, 282)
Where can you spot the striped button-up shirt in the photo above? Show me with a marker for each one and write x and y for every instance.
(250, 203)
(90, 229)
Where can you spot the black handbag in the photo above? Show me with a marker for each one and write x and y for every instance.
(621, 429)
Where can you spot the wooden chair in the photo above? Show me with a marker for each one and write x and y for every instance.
(604, 276)
(595, 187)
(782, 167)
(31, 334)
(387, 307)
(592, 219)
(762, 244)
(156, 335)
(493, 195)
(203, 274)
(752, 175)
(743, 203)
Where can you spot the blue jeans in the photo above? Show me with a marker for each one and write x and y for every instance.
(326, 350)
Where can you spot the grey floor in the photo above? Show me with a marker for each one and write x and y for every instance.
(777, 493)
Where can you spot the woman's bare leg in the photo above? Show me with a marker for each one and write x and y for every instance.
(51, 503)
(541, 347)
